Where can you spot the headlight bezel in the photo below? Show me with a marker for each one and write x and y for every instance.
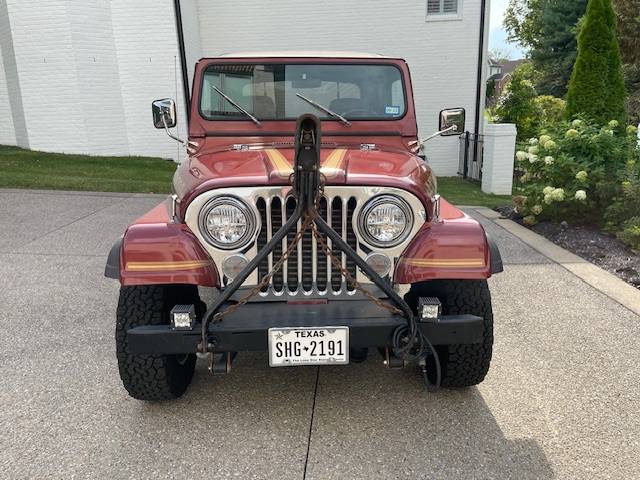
(245, 209)
(376, 202)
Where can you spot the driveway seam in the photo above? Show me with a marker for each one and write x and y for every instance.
(604, 282)
(74, 221)
(313, 412)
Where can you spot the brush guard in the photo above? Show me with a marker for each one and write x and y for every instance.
(409, 342)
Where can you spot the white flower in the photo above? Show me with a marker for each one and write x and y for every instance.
(609, 132)
(549, 160)
(536, 209)
(576, 123)
(547, 190)
(558, 194)
(581, 195)
(533, 158)
(614, 124)
(533, 150)
(571, 133)
(632, 129)
(550, 145)
(582, 176)
(544, 139)
(548, 199)
(533, 141)
(520, 155)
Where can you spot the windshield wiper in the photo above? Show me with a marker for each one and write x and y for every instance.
(325, 110)
(238, 107)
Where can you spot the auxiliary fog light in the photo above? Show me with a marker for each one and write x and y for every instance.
(183, 317)
(233, 265)
(380, 263)
(429, 308)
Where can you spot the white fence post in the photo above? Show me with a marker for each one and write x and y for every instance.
(499, 152)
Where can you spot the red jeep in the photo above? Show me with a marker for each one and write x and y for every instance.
(305, 223)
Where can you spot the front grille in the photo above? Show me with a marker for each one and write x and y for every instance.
(307, 270)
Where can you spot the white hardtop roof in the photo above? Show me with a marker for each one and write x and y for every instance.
(301, 53)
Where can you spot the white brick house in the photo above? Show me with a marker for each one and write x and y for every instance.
(79, 75)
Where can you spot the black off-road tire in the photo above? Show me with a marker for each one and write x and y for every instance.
(152, 377)
(462, 365)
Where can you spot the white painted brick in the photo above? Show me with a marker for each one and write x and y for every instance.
(442, 56)
(499, 151)
(73, 103)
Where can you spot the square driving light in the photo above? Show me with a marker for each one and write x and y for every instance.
(429, 308)
(183, 317)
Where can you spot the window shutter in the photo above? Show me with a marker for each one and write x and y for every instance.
(433, 7)
(450, 6)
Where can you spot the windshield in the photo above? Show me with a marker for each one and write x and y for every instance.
(274, 91)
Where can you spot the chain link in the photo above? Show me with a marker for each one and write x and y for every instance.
(308, 221)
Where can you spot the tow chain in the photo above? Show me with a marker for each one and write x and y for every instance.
(335, 261)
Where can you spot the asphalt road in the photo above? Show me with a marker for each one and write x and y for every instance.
(561, 399)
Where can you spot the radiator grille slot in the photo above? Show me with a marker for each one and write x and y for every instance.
(308, 269)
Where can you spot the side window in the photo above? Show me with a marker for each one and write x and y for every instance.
(442, 7)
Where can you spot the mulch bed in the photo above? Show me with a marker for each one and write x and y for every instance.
(599, 248)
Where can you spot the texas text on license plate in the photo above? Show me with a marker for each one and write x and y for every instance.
(308, 346)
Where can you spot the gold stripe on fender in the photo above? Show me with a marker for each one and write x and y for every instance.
(279, 162)
(158, 266)
(333, 162)
(444, 262)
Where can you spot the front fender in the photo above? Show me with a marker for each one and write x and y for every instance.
(154, 250)
(455, 247)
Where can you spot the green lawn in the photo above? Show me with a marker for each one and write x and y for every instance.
(21, 168)
(462, 192)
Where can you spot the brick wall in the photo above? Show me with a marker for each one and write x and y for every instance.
(80, 75)
(442, 55)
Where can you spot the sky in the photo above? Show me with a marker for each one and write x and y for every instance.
(497, 34)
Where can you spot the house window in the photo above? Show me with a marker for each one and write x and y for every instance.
(442, 7)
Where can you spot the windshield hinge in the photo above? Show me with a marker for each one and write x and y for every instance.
(367, 146)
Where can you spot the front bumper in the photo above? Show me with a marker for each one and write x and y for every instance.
(246, 329)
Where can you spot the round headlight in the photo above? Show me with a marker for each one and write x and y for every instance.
(227, 223)
(385, 221)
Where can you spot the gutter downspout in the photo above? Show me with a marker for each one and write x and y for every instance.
(476, 128)
(183, 59)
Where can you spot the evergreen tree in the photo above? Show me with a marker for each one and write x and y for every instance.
(547, 29)
(597, 87)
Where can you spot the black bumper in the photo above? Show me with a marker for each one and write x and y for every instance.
(246, 329)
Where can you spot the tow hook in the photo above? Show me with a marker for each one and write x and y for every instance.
(221, 364)
(390, 360)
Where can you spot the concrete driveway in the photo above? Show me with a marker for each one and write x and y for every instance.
(561, 399)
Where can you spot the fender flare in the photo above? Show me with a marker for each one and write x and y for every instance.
(495, 256)
(112, 268)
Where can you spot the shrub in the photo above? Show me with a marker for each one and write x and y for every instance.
(552, 110)
(630, 233)
(516, 105)
(575, 171)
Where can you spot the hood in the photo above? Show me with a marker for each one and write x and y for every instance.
(273, 166)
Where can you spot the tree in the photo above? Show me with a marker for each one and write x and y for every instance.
(516, 104)
(629, 27)
(547, 28)
(628, 12)
(597, 87)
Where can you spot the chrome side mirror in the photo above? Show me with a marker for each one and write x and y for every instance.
(452, 121)
(164, 116)
(164, 113)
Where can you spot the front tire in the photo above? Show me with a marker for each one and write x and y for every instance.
(463, 365)
(152, 377)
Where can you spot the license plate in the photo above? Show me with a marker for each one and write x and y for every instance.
(308, 346)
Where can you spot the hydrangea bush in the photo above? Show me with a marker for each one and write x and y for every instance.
(579, 172)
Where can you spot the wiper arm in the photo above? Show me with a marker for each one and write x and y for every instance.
(238, 107)
(325, 110)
